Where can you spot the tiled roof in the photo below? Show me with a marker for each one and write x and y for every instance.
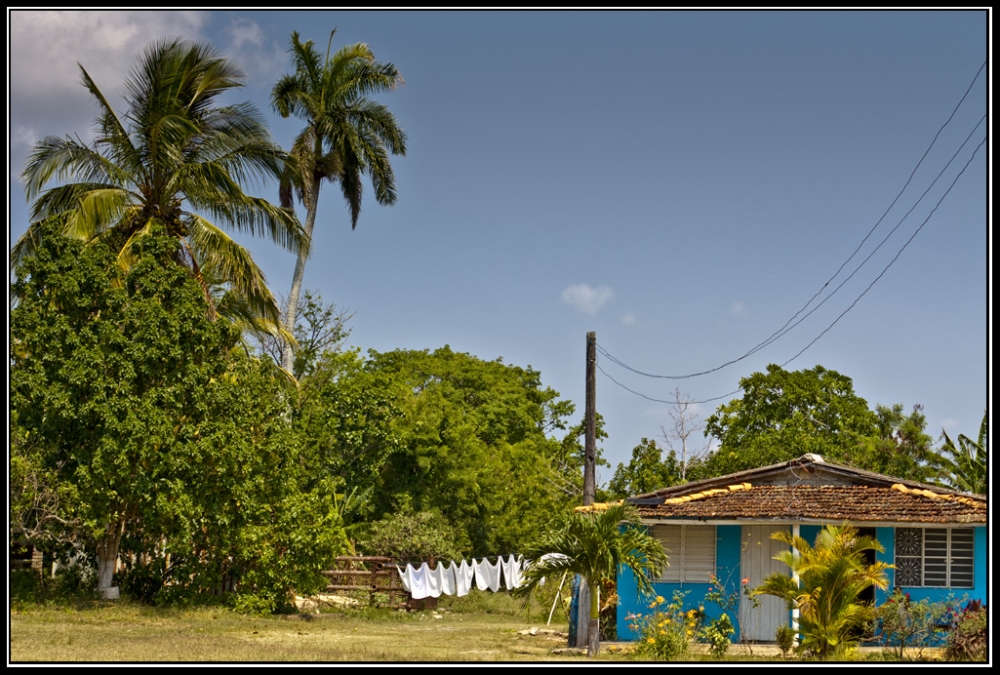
(856, 503)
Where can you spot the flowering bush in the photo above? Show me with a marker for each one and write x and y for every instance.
(729, 601)
(967, 640)
(901, 622)
(717, 634)
(666, 633)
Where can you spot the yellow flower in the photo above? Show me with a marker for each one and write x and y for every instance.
(663, 632)
(651, 641)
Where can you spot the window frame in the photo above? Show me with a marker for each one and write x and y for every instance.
(678, 572)
(935, 559)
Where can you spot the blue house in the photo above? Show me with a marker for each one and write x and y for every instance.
(720, 528)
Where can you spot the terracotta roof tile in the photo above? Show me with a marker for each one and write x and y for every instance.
(829, 502)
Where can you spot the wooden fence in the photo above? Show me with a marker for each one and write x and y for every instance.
(374, 576)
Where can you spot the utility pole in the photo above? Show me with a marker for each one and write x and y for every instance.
(590, 423)
(589, 481)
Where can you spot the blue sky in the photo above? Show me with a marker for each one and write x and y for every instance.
(680, 182)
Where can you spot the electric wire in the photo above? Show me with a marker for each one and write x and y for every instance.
(786, 327)
(886, 268)
(835, 321)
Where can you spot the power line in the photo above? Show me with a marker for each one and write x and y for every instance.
(839, 317)
(658, 400)
(786, 327)
(974, 153)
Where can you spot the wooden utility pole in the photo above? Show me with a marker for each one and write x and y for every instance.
(590, 423)
(589, 479)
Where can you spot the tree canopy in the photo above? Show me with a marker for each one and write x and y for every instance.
(783, 415)
(177, 160)
(154, 429)
(347, 135)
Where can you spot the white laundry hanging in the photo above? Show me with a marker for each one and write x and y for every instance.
(491, 574)
(445, 572)
(419, 582)
(511, 571)
(464, 578)
(433, 580)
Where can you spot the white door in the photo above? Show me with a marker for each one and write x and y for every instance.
(756, 562)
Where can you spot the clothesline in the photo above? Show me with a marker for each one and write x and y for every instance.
(450, 579)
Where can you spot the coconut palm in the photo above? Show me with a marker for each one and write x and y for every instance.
(966, 466)
(595, 545)
(831, 577)
(347, 135)
(175, 158)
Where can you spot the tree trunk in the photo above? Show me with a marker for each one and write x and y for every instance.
(107, 555)
(594, 627)
(582, 614)
(287, 355)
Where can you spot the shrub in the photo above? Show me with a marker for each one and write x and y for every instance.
(785, 639)
(832, 576)
(717, 634)
(901, 622)
(665, 634)
(968, 640)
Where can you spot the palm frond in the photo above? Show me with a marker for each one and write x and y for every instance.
(222, 258)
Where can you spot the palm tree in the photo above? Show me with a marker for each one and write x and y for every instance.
(346, 135)
(966, 467)
(595, 545)
(177, 159)
(831, 577)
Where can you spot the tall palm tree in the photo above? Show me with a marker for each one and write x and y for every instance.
(966, 466)
(831, 577)
(175, 158)
(347, 135)
(594, 545)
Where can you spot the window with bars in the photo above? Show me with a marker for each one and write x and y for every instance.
(931, 556)
(690, 551)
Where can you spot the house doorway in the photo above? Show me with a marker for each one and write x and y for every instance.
(757, 561)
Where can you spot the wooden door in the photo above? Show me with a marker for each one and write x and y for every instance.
(756, 562)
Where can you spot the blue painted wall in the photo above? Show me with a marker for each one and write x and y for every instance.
(887, 537)
(728, 570)
(727, 565)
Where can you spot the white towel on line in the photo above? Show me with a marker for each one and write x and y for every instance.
(464, 578)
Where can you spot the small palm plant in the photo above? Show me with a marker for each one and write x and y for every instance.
(595, 545)
(832, 575)
(966, 464)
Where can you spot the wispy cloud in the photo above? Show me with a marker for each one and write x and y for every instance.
(628, 319)
(587, 299)
(738, 308)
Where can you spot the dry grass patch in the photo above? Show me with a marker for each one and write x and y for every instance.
(123, 632)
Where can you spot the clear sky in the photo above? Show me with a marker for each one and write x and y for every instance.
(680, 182)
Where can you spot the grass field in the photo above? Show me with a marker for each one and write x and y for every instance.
(480, 627)
(124, 631)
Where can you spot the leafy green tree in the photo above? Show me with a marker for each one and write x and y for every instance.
(106, 370)
(319, 327)
(174, 160)
(347, 135)
(832, 575)
(783, 415)
(347, 416)
(646, 471)
(441, 432)
(966, 462)
(412, 536)
(260, 509)
(595, 545)
(42, 510)
(155, 434)
(903, 448)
